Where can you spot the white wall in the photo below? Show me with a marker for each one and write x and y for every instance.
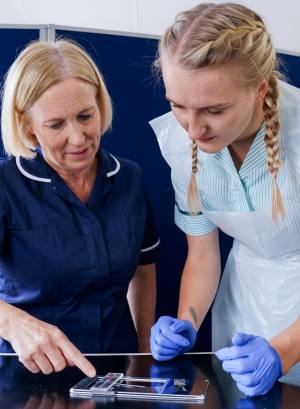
(145, 16)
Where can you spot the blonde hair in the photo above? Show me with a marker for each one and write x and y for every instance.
(39, 66)
(213, 34)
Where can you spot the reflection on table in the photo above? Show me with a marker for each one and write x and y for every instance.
(20, 389)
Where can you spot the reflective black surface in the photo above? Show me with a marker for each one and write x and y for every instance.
(19, 389)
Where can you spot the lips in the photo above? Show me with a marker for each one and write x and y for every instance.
(205, 139)
(78, 152)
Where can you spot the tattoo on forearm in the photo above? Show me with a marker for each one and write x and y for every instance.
(193, 314)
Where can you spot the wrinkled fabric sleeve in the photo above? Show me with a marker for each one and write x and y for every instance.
(194, 225)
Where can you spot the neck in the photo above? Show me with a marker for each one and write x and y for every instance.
(81, 183)
(240, 147)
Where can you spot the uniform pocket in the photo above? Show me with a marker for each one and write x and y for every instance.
(123, 237)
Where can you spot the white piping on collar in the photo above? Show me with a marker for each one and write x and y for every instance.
(28, 175)
(113, 172)
(38, 179)
(151, 247)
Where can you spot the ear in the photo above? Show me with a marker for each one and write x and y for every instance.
(26, 122)
(262, 89)
(27, 130)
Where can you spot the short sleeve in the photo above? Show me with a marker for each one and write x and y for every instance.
(175, 147)
(193, 225)
(150, 246)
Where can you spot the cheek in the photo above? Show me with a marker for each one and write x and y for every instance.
(51, 143)
(181, 119)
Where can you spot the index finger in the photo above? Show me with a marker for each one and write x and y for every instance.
(231, 353)
(174, 338)
(72, 354)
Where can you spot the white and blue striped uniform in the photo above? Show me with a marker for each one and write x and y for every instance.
(259, 292)
(221, 186)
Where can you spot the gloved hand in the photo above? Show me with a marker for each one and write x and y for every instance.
(253, 363)
(171, 337)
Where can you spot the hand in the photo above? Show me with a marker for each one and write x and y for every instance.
(171, 337)
(41, 346)
(253, 363)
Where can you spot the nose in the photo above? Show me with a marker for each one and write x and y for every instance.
(76, 135)
(196, 126)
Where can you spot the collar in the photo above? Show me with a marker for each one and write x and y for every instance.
(256, 156)
(37, 169)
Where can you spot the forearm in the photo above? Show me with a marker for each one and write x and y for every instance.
(199, 283)
(287, 344)
(142, 302)
(7, 314)
(197, 291)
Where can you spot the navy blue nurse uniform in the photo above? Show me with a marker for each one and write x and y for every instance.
(69, 263)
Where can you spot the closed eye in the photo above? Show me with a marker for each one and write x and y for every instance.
(173, 105)
(84, 117)
(214, 111)
(55, 125)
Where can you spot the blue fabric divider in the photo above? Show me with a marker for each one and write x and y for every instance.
(12, 41)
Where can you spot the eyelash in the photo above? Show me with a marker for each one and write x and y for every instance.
(206, 110)
(83, 118)
(55, 126)
(215, 112)
(175, 106)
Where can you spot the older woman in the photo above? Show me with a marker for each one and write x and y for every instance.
(76, 233)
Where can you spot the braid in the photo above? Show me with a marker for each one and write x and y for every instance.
(270, 108)
(193, 193)
(210, 35)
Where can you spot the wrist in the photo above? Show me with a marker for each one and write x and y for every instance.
(8, 317)
(187, 317)
(287, 353)
(143, 341)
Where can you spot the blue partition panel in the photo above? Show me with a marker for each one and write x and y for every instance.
(12, 41)
(290, 67)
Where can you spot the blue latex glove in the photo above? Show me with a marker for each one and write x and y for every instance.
(252, 362)
(171, 337)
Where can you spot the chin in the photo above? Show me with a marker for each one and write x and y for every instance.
(209, 149)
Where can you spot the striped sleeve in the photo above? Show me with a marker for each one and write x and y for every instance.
(194, 225)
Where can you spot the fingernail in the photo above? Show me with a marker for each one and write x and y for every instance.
(92, 373)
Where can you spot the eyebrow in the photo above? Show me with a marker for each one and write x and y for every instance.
(220, 105)
(84, 111)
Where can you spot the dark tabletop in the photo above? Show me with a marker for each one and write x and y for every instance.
(19, 389)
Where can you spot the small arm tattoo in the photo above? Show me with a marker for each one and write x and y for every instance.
(193, 314)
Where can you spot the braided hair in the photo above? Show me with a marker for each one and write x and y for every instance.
(213, 34)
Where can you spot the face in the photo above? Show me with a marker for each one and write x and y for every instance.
(66, 122)
(213, 105)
